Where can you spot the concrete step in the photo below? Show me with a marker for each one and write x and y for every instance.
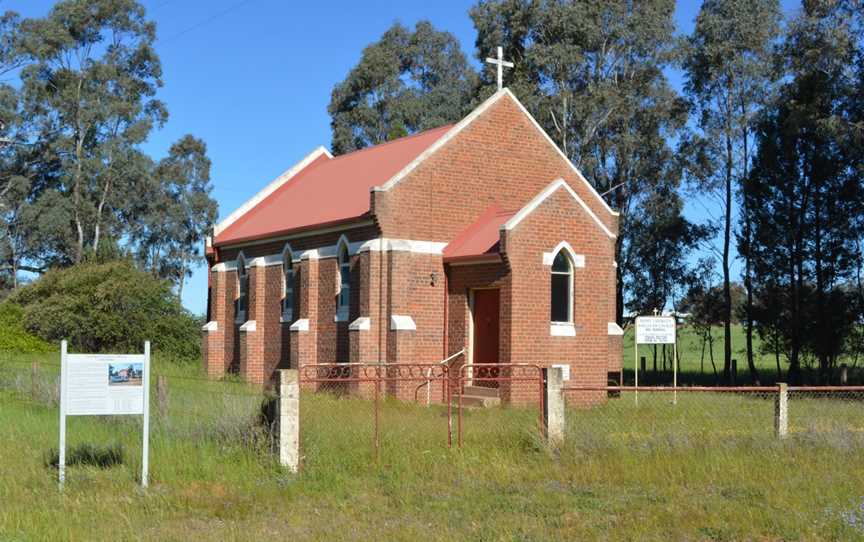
(477, 401)
(481, 391)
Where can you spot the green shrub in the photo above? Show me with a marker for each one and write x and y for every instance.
(109, 307)
(13, 336)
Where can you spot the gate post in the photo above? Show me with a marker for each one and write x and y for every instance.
(781, 411)
(553, 406)
(288, 417)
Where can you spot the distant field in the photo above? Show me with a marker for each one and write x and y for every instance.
(693, 370)
(708, 468)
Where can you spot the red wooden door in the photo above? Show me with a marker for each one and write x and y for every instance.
(486, 319)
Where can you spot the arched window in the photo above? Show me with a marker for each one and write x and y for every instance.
(562, 288)
(241, 303)
(344, 296)
(287, 284)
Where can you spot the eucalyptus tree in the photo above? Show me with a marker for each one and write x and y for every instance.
(405, 82)
(592, 75)
(729, 77)
(174, 212)
(89, 89)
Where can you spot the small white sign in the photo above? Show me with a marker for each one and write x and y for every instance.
(655, 330)
(104, 385)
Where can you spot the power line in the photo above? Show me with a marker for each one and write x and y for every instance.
(205, 21)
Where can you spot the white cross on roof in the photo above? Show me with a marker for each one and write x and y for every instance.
(501, 64)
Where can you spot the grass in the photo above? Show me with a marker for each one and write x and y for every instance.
(708, 468)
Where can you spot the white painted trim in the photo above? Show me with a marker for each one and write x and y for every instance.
(408, 245)
(363, 323)
(542, 196)
(461, 125)
(402, 322)
(224, 266)
(300, 325)
(578, 260)
(330, 251)
(265, 261)
(250, 325)
(299, 235)
(212, 325)
(565, 369)
(562, 329)
(614, 329)
(270, 188)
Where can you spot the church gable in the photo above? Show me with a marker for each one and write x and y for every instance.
(498, 155)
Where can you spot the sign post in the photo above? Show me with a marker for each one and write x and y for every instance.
(656, 330)
(105, 385)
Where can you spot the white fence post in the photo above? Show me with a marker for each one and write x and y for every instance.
(781, 412)
(288, 417)
(554, 406)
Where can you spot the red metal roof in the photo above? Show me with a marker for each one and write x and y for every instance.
(329, 190)
(480, 238)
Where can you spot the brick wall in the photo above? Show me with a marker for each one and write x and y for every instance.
(499, 158)
(557, 219)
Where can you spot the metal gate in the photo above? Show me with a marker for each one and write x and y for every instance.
(370, 390)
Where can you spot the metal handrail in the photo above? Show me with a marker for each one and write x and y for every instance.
(428, 382)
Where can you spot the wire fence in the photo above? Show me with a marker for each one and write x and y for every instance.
(629, 416)
(352, 416)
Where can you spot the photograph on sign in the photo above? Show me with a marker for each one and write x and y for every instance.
(128, 374)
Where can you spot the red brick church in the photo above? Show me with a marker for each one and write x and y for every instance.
(479, 235)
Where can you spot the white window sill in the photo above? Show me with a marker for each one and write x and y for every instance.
(562, 329)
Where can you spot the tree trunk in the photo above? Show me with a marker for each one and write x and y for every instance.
(727, 236)
(182, 275)
(748, 277)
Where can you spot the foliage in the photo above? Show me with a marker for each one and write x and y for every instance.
(111, 307)
(405, 82)
(807, 179)
(729, 77)
(592, 74)
(72, 171)
(13, 336)
(174, 209)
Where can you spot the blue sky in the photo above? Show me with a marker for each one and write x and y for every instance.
(253, 78)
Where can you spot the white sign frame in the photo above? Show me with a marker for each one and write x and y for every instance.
(98, 404)
(657, 335)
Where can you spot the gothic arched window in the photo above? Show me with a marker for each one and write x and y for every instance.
(287, 284)
(561, 290)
